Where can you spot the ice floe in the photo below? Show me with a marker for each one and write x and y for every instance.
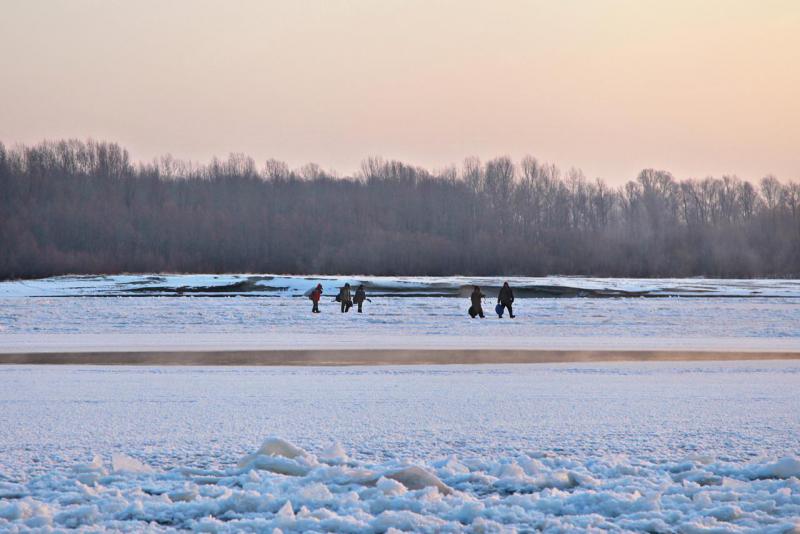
(281, 486)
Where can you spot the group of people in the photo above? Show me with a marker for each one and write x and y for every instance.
(345, 298)
(504, 300)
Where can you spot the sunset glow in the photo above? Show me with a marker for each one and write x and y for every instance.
(696, 88)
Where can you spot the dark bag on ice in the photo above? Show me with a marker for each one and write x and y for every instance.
(472, 313)
(499, 310)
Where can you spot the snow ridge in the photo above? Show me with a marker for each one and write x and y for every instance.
(412, 286)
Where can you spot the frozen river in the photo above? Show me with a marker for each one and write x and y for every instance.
(661, 447)
(654, 447)
(251, 312)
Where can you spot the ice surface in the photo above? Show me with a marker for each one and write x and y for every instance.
(107, 323)
(124, 463)
(451, 286)
(658, 447)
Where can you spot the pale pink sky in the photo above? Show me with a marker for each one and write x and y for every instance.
(696, 87)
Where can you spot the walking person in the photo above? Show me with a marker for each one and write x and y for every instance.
(360, 297)
(315, 295)
(504, 300)
(345, 298)
(476, 309)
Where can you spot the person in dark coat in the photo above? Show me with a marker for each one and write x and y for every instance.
(476, 309)
(315, 296)
(505, 299)
(360, 297)
(345, 298)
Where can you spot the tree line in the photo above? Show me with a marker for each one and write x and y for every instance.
(85, 207)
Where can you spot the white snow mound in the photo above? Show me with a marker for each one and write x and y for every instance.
(414, 477)
(527, 492)
(279, 456)
(124, 463)
(783, 468)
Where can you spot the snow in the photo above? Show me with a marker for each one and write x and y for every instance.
(656, 446)
(124, 463)
(85, 318)
(283, 285)
(783, 468)
(659, 447)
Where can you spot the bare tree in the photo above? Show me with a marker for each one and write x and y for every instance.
(83, 207)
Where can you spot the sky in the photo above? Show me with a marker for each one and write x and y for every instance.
(696, 87)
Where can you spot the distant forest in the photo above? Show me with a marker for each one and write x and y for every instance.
(85, 207)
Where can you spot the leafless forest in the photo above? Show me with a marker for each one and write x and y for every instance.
(84, 207)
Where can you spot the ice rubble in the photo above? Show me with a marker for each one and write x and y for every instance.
(282, 486)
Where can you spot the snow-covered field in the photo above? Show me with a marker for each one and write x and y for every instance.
(256, 312)
(658, 447)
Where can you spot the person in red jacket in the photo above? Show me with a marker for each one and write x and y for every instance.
(315, 295)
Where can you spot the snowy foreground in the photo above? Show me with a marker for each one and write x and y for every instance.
(657, 447)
